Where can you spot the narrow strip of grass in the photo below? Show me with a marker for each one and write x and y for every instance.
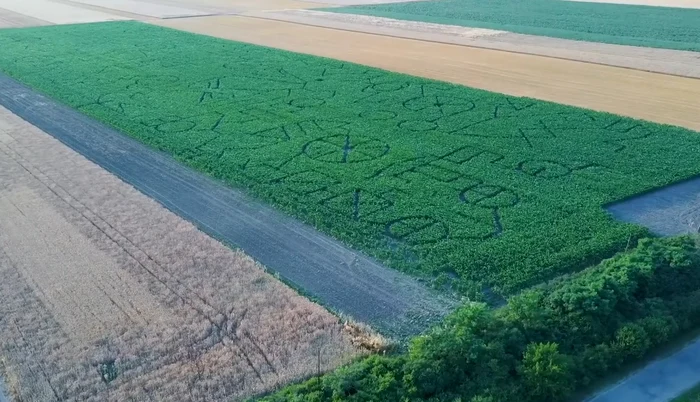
(660, 27)
(434, 179)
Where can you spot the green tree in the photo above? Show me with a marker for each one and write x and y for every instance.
(631, 341)
(546, 372)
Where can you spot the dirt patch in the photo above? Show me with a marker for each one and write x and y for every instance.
(655, 97)
(640, 58)
(108, 296)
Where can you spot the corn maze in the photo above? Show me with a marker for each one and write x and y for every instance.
(431, 178)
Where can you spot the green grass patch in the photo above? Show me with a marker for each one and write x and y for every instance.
(693, 395)
(434, 179)
(660, 27)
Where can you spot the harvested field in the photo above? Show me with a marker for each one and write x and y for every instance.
(676, 62)
(622, 24)
(69, 272)
(436, 179)
(108, 296)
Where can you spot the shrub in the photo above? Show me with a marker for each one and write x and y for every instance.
(545, 343)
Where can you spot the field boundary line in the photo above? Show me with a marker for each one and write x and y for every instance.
(341, 279)
(280, 16)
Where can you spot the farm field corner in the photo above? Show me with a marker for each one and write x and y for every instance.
(108, 296)
(622, 24)
(435, 179)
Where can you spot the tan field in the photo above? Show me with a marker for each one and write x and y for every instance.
(674, 62)
(97, 277)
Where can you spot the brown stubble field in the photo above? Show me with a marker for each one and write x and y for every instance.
(98, 279)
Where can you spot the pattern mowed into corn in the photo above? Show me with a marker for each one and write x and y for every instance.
(434, 179)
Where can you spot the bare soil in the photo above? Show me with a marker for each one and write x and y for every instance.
(640, 58)
(105, 295)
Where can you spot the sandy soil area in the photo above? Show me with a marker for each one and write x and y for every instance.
(105, 295)
(655, 97)
(639, 58)
(657, 3)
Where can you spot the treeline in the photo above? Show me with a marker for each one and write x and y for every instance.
(545, 344)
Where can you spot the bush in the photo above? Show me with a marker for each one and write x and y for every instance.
(547, 374)
(544, 344)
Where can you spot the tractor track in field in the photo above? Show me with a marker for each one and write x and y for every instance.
(342, 279)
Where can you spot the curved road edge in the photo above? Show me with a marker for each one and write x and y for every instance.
(660, 381)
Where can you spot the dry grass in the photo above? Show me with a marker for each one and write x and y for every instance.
(364, 338)
(98, 279)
